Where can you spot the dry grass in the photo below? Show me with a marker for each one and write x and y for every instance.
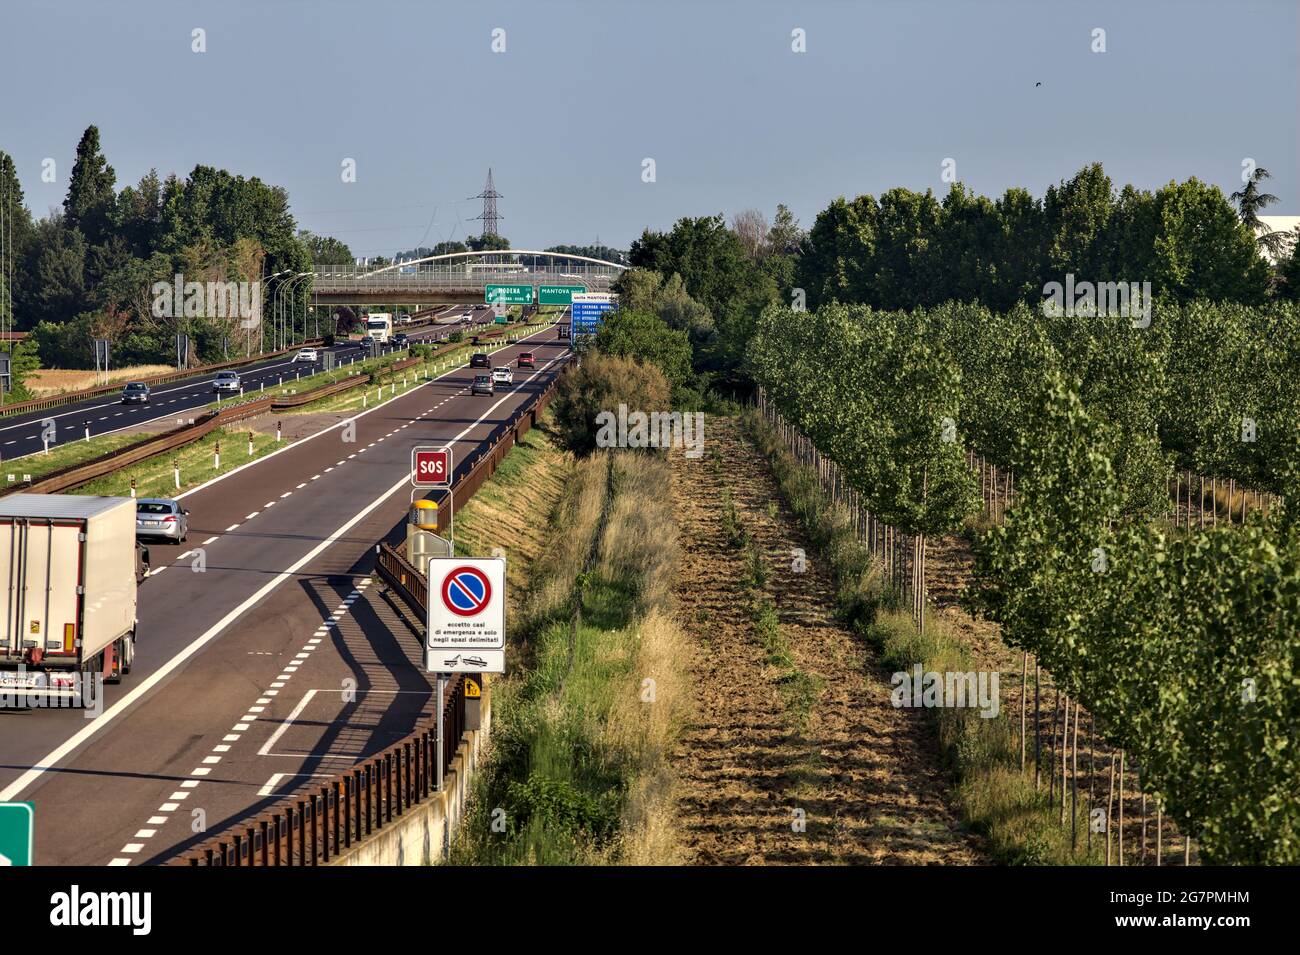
(646, 730)
(564, 554)
(640, 540)
(56, 381)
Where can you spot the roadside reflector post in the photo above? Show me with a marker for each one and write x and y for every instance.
(261, 386)
(277, 432)
(176, 472)
(216, 456)
(133, 487)
(250, 444)
(87, 426)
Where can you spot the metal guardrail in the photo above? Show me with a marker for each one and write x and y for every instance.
(72, 397)
(404, 579)
(74, 475)
(312, 827)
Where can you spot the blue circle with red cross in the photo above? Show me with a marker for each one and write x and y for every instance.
(466, 591)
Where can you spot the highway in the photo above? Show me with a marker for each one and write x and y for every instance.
(277, 661)
(21, 434)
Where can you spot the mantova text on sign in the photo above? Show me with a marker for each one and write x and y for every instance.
(558, 294)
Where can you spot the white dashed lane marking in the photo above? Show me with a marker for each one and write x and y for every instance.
(165, 811)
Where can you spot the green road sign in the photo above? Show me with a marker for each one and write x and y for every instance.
(508, 295)
(17, 821)
(557, 294)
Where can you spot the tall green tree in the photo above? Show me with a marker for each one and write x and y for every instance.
(1250, 203)
(1077, 212)
(1202, 250)
(15, 234)
(91, 198)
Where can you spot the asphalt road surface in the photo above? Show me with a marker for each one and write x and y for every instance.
(275, 663)
(21, 435)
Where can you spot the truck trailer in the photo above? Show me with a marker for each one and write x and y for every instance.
(68, 595)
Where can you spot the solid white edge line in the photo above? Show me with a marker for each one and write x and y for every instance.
(11, 792)
(293, 444)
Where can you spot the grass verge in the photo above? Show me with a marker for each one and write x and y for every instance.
(198, 460)
(583, 725)
(994, 797)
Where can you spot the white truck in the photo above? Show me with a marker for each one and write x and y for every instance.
(379, 327)
(68, 595)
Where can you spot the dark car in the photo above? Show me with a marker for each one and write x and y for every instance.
(526, 360)
(135, 393)
(482, 385)
(479, 360)
(401, 339)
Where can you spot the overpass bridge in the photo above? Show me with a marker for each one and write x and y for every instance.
(458, 277)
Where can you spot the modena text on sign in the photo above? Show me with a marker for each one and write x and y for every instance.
(431, 467)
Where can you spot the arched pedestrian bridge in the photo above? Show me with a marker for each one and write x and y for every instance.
(458, 277)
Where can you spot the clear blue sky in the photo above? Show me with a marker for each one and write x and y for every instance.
(588, 88)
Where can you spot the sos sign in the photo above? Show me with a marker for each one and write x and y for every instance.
(431, 467)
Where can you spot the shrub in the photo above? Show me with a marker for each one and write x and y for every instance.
(602, 383)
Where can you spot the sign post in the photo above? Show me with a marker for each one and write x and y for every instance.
(466, 629)
(17, 828)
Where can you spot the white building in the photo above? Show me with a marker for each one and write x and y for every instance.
(1287, 224)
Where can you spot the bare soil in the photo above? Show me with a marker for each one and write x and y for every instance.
(866, 776)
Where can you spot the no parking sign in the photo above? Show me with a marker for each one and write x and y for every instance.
(467, 615)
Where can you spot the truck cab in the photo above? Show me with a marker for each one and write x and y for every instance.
(379, 327)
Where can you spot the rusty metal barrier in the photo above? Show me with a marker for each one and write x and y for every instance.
(315, 825)
(72, 397)
(74, 475)
(404, 579)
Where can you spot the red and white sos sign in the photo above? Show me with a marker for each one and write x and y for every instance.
(431, 467)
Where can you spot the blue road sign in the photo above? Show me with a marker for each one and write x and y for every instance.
(16, 830)
(588, 315)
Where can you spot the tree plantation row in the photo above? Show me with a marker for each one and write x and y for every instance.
(1179, 642)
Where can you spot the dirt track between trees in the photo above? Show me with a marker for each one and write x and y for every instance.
(865, 776)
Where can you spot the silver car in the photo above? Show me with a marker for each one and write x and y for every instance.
(226, 381)
(163, 518)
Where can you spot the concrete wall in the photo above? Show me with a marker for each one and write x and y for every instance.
(424, 832)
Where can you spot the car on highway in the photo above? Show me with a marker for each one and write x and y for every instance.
(226, 381)
(161, 517)
(307, 354)
(401, 339)
(526, 360)
(503, 376)
(479, 360)
(135, 393)
(482, 385)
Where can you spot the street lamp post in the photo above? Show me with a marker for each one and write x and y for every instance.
(261, 329)
(286, 308)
